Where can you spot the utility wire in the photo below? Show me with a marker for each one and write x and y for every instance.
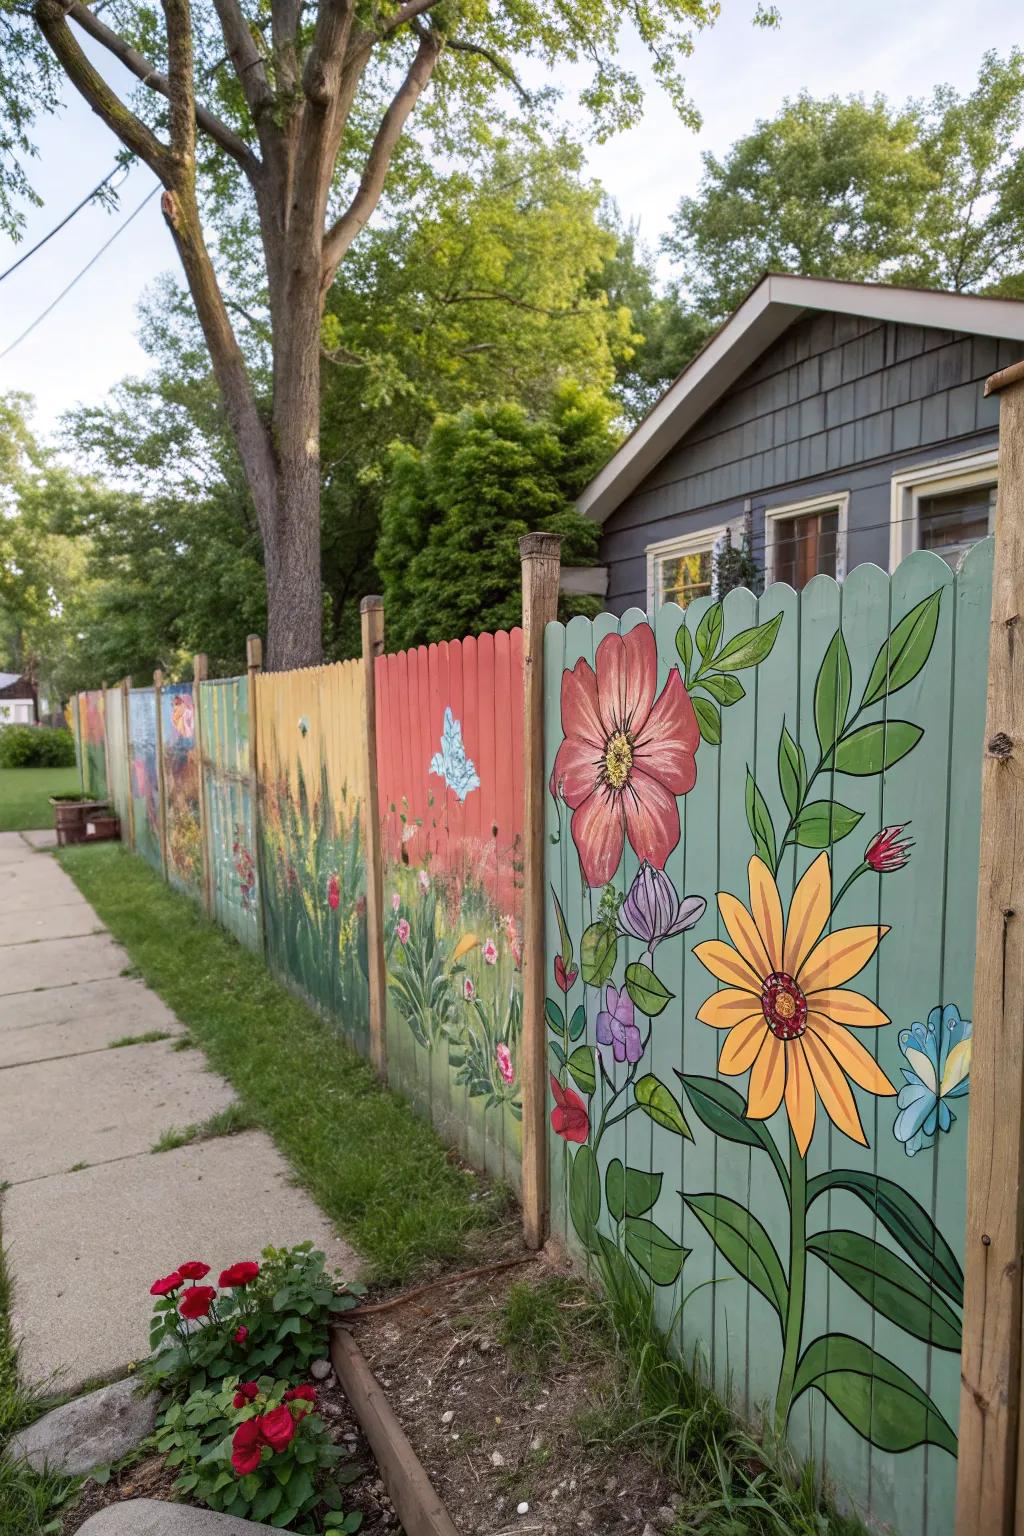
(79, 275)
(65, 220)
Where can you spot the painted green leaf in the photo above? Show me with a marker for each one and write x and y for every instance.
(630, 1191)
(709, 721)
(554, 1015)
(792, 771)
(618, 1276)
(726, 689)
(739, 1235)
(648, 994)
(559, 1054)
(887, 1283)
(684, 646)
(824, 822)
(578, 1022)
(598, 950)
(876, 747)
(658, 1255)
(563, 931)
(585, 1194)
(760, 822)
(661, 1104)
(581, 1065)
(709, 630)
(832, 692)
(882, 1402)
(905, 652)
(749, 647)
(722, 1110)
(905, 1220)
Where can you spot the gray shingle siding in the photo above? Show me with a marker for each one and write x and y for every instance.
(838, 403)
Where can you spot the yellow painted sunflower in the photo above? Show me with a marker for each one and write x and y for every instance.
(785, 1007)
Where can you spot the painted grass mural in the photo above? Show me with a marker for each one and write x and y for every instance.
(312, 871)
(228, 786)
(760, 995)
(449, 735)
(144, 774)
(181, 788)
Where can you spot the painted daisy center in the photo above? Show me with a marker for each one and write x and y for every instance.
(618, 760)
(784, 1006)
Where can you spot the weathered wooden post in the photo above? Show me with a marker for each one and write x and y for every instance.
(990, 1465)
(200, 666)
(539, 554)
(161, 789)
(253, 667)
(372, 613)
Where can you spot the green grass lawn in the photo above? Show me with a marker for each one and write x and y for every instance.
(377, 1170)
(25, 795)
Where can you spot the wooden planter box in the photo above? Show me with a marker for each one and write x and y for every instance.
(83, 821)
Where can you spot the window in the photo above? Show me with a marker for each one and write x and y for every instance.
(681, 569)
(806, 539)
(946, 506)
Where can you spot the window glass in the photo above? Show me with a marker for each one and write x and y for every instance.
(951, 522)
(805, 546)
(685, 577)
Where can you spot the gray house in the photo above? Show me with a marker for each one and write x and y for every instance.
(834, 422)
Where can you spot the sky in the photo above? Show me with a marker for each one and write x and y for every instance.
(737, 74)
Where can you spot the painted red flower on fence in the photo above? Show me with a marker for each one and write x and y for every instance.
(626, 756)
(333, 893)
(569, 1116)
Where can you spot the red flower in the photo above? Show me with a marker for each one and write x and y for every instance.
(277, 1427)
(303, 1394)
(886, 851)
(193, 1270)
(247, 1392)
(569, 1116)
(246, 1447)
(169, 1283)
(625, 757)
(238, 1274)
(333, 893)
(240, 1334)
(197, 1301)
(563, 977)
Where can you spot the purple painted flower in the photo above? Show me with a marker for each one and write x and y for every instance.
(616, 1027)
(652, 911)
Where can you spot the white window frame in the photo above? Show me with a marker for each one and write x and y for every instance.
(700, 541)
(935, 478)
(838, 501)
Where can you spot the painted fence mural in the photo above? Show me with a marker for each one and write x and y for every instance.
(92, 711)
(449, 756)
(763, 849)
(228, 794)
(181, 788)
(117, 757)
(144, 774)
(310, 727)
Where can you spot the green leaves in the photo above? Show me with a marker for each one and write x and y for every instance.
(563, 931)
(876, 747)
(879, 1400)
(723, 1111)
(647, 993)
(824, 822)
(599, 949)
(684, 646)
(726, 689)
(709, 721)
(661, 1104)
(741, 1238)
(887, 1283)
(905, 652)
(713, 674)
(749, 647)
(630, 1191)
(658, 1255)
(792, 772)
(832, 693)
(760, 823)
(578, 1022)
(585, 1195)
(904, 1219)
(554, 1015)
(581, 1065)
(709, 631)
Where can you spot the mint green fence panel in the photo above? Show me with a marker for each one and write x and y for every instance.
(144, 774)
(762, 851)
(228, 794)
(117, 757)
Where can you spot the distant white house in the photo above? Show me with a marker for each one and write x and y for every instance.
(17, 700)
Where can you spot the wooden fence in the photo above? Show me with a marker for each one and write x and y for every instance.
(229, 796)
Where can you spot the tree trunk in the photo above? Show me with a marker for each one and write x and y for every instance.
(292, 558)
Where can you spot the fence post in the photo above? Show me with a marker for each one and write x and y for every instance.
(126, 688)
(539, 556)
(371, 611)
(989, 1462)
(161, 788)
(253, 666)
(200, 669)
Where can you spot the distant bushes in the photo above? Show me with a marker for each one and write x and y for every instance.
(36, 746)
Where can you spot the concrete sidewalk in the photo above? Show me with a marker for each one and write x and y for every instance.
(90, 1215)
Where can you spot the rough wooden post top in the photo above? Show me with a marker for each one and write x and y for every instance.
(1006, 376)
(369, 604)
(540, 546)
(253, 651)
(158, 678)
(200, 667)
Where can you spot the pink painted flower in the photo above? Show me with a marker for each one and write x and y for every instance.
(424, 881)
(517, 953)
(403, 930)
(468, 989)
(504, 1059)
(333, 893)
(396, 901)
(626, 756)
(563, 977)
(490, 952)
(888, 849)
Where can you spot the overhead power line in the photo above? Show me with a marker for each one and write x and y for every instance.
(79, 275)
(65, 220)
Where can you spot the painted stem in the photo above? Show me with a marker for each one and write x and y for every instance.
(797, 1275)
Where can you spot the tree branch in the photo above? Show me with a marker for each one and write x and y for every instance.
(496, 63)
(141, 68)
(340, 236)
(245, 57)
(330, 40)
(182, 85)
(407, 12)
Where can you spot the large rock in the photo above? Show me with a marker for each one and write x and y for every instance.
(149, 1517)
(90, 1431)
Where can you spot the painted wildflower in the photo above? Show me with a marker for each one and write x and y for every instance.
(564, 978)
(652, 910)
(616, 1025)
(451, 763)
(403, 930)
(503, 1056)
(490, 952)
(938, 1069)
(889, 849)
(569, 1117)
(396, 901)
(424, 881)
(468, 989)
